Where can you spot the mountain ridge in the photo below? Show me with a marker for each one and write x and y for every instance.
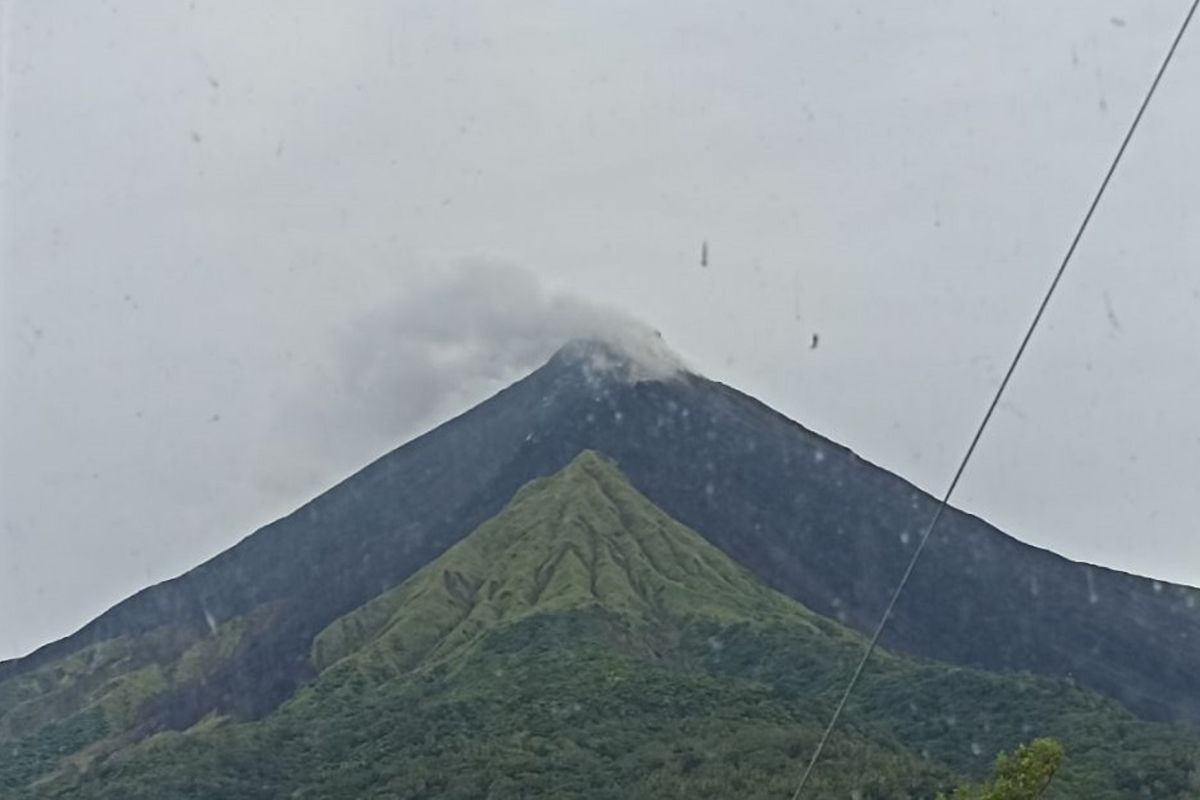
(582, 643)
(619, 552)
(807, 516)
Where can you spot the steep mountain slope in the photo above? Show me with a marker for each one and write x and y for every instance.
(806, 516)
(581, 538)
(584, 644)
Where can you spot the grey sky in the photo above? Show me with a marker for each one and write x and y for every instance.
(229, 228)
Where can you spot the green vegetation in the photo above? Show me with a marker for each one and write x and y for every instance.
(1025, 775)
(584, 537)
(564, 705)
(555, 705)
(69, 711)
(582, 644)
(26, 758)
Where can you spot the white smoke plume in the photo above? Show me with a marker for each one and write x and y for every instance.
(472, 327)
(440, 344)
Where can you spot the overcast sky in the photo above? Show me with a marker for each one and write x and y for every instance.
(248, 246)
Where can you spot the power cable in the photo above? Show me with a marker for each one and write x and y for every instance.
(1062, 268)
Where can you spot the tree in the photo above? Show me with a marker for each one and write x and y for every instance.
(1025, 775)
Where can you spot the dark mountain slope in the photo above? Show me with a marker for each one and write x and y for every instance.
(805, 515)
(583, 644)
(583, 537)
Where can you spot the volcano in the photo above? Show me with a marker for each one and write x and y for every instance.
(581, 643)
(806, 516)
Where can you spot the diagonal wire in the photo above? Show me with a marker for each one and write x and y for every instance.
(1062, 268)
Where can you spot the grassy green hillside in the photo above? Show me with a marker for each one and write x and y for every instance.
(584, 644)
(106, 696)
(582, 538)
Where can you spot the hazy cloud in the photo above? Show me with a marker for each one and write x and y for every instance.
(454, 333)
(457, 332)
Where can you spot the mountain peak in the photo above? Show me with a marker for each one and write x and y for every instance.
(633, 354)
(583, 537)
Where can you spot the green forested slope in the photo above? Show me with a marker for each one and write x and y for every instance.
(583, 644)
(108, 695)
